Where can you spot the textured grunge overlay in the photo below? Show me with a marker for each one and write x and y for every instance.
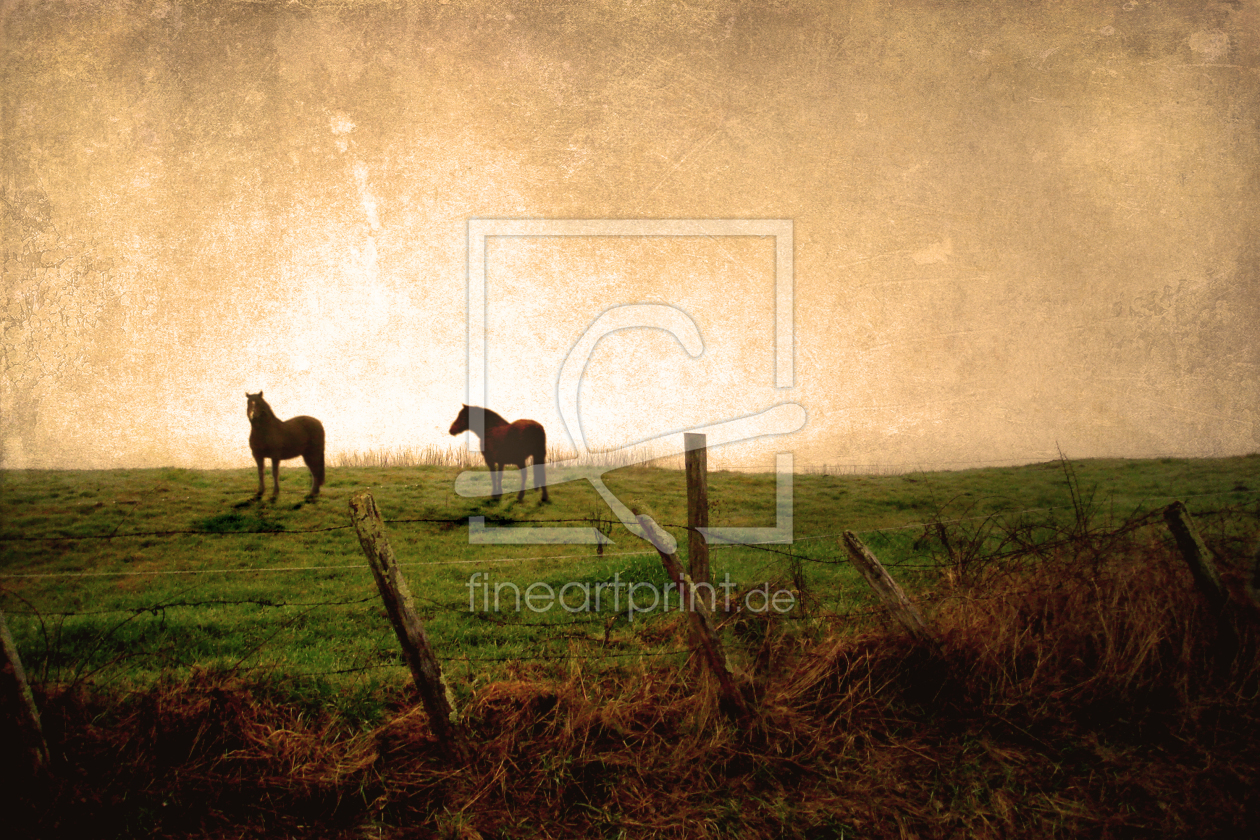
(1018, 227)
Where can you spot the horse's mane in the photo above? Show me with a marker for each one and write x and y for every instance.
(492, 418)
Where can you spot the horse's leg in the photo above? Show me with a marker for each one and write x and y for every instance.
(496, 480)
(540, 475)
(315, 461)
(262, 473)
(275, 476)
(520, 497)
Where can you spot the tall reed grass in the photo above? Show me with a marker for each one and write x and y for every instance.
(433, 455)
(459, 456)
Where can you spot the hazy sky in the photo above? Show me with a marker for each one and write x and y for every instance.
(1017, 227)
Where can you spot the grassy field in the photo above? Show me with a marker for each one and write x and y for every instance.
(169, 599)
(212, 578)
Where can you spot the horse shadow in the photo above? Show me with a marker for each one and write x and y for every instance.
(262, 502)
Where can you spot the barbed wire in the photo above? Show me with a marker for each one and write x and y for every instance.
(279, 532)
(214, 602)
(160, 572)
(1130, 526)
(764, 546)
(528, 657)
(175, 533)
(570, 630)
(507, 521)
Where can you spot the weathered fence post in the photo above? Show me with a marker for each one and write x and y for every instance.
(1197, 556)
(697, 460)
(426, 671)
(885, 587)
(1206, 579)
(702, 628)
(20, 716)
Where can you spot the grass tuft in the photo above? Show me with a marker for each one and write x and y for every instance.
(234, 523)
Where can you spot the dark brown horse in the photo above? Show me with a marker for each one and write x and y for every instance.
(506, 443)
(279, 440)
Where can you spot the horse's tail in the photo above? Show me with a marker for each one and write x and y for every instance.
(540, 459)
(538, 444)
(315, 452)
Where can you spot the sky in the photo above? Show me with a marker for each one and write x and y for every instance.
(1017, 229)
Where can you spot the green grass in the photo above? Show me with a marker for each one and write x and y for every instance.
(182, 569)
(220, 666)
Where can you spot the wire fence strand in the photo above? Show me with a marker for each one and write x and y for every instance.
(575, 629)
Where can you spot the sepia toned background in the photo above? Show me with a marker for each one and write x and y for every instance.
(1019, 227)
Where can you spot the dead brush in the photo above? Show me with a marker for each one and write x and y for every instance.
(1074, 693)
(551, 749)
(189, 755)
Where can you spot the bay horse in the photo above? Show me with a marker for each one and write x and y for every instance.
(505, 443)
(279, 440)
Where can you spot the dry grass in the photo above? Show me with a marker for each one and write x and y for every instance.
(459, 456)
(1088, 694)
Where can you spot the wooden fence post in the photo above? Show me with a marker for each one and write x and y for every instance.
(885, 587)
(426, 671)
(1197, 556)
(21, 717)
(1206, 579)
(702, 628)
(697, 460)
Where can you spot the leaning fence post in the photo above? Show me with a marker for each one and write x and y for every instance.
(1197, 556)
(702, 628)
(885, 587)
(425, 669)
(1206, 579)
(21, 717)
(697, 461)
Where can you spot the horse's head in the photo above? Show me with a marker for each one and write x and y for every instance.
(256, 406)
(461, 422)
